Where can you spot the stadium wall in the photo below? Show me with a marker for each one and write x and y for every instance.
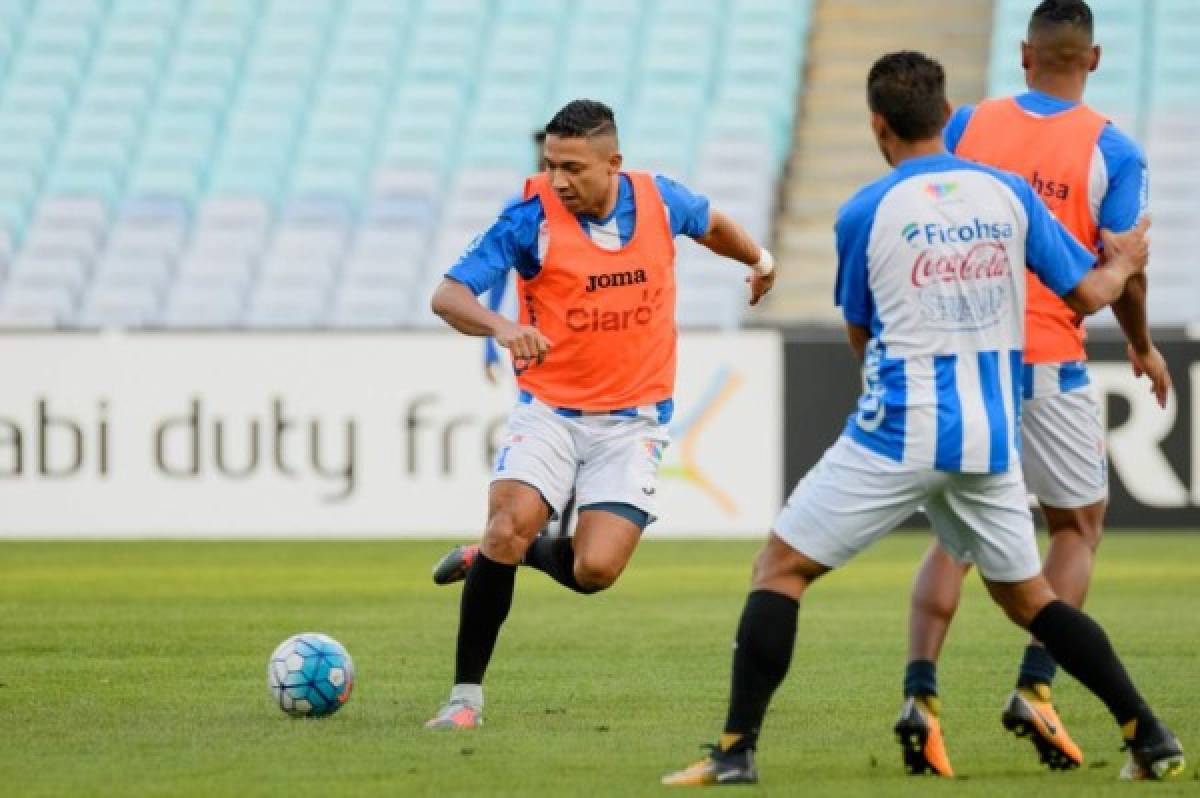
(391, 435)
(1154, 454)
(333, 435)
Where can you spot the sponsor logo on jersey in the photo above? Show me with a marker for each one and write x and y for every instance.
(964, 291)
(941, 191)
(1049, 188)
(598, 282)
(595, 319)
(935, 234)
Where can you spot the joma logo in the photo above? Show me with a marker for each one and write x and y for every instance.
(615, 280)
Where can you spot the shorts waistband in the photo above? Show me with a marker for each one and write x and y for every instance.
(660, 411)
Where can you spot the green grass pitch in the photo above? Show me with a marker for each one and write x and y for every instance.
(139, 669)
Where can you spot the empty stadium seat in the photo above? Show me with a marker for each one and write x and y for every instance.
(277, 163)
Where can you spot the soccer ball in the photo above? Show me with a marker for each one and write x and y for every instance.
(310, 675)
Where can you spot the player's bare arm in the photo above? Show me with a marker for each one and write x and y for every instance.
(1125, 256)
(1130, 311)
(729, 239)
(858, 337)
(455, 303)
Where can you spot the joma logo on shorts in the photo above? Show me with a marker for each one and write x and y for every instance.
(615, 280)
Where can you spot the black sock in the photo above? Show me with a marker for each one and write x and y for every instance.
(555, 557)
(766, 636)
(486, 598)
(920, 678)
(1037, 667)
(1082, 649)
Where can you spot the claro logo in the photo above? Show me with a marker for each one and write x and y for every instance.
(597, 319)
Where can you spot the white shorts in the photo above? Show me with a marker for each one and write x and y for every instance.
(601, 457)
(1062, 449)
(853, 497)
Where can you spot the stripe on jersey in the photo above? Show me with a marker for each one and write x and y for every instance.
(887, 438)
(1072, 376)
(1017, 370)
(949, 415)
(1027, 378)
(993, 404)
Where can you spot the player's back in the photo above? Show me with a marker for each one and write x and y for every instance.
(932, 263)
(1056, 146)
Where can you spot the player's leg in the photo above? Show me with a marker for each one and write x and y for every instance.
(849, 499)
(985, 518)
(539, 449)
(936, 591)
(532, 478)
(596, 555)
(1066, 468)
(1083, 650)
(996, 532)
(516, 511)
(616, 491)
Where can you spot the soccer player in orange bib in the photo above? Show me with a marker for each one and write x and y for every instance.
(594, 351)
(1091, 176)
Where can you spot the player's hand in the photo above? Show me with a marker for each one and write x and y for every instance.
(1152, 364)
(760, 285)
(1131, 248)
(525, 342)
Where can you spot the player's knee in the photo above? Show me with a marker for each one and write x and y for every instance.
(931, 601)
(593, 575)
(502, 538)
(788, 573)
(1022, 601)
(1084, 525)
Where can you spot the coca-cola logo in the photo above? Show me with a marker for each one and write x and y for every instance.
(987, 260)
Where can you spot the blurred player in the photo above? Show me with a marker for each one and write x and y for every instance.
(594, 351)
(1091, 176)
(931, 280)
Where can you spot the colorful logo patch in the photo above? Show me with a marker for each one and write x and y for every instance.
(910, 232)
(941, 191)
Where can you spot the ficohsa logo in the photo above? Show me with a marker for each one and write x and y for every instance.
(933, 233)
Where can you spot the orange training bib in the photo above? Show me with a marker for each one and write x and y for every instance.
(609, 315)
(1054, 154)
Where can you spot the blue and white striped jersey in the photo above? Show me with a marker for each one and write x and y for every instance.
(931, 260)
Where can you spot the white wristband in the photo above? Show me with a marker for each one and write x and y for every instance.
(765, 265)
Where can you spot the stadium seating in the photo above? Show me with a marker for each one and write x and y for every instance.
(297, 163)
(1147, 84)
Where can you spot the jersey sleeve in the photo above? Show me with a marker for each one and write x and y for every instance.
(1051, 252)
(510, 243)
(1128, 192)
(957, 125)
(852, 291)
(688, 210)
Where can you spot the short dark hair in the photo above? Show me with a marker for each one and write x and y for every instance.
(583, 119)
(1053, 15)
(908, 89)
(539, 137)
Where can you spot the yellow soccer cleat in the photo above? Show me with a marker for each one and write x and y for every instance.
(718, 769)
(1157, 755)
(920, 736)
(1029, 713)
